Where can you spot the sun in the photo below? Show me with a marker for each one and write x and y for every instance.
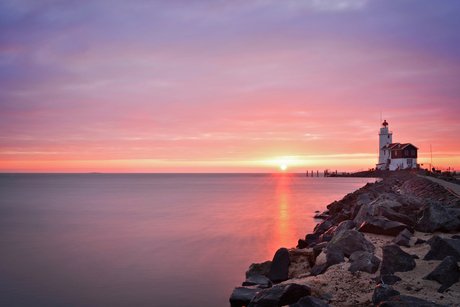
(283, 167)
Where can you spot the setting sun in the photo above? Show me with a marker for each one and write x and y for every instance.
(283, 167)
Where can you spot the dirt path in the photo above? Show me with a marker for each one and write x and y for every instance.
(454, 188)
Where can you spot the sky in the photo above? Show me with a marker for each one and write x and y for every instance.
(226, 86)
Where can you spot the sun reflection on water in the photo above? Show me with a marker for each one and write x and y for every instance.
(283, 232)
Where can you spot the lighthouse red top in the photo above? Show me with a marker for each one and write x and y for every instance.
(384, 123)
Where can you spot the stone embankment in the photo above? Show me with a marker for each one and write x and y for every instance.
(391, 243)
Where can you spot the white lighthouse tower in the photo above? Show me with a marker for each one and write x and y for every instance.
(385, 138)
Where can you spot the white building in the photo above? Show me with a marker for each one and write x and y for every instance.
(395, 156)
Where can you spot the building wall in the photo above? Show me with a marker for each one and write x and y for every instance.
(403, 163)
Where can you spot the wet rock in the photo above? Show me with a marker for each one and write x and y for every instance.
(280, 295)
(396, 260)
(242, 296)
(279, 270)
(363, 261)
(447, 273)
(333, 256)
(350, 241)
(434, 216)
(310, 301)
(259, 268)
(312, 238)
(382, 226)
(442, 248)
(383, 293)
(258, 280)
(403, 238)
(408, 301)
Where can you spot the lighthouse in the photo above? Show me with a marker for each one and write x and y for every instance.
(385, 139)
(395, 156)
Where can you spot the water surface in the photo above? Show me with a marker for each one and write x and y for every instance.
(148, 239)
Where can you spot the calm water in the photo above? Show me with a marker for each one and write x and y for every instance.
(148, 239)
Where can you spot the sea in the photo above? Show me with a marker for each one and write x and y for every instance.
(148, 239)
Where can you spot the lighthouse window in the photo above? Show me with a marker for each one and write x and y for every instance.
(388, 136)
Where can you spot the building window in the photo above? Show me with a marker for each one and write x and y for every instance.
(412, 152)
(396, 153)
(409, 161)
(406, 152)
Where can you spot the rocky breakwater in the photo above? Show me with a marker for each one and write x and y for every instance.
(390, 243)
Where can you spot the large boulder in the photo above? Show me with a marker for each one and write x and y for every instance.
(242, 296)
(310, 301)
(382, 226)
(258, 280)
(403, 238)
(363, 261)
(442, 248)
(434, 216)
(350, 241)
(396, 260)
(345, 225)
(382, 293)
(279, 270)
(259, 268)
(333, 255)
(447, 273)
(322, 227)
(395, 216)
(408, 301)
(280, 295)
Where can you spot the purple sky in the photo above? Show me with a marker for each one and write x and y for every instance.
(167, 86)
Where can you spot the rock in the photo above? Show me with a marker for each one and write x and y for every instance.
(335, 207)
(301, 262)
(302, 244)
(312, 238)
(350, 241)
(317, 249)
(383, 293)
(388, 279)
(326, 297)
(419, 241)
(333, 256)
(259, 268)
(442, 248)
(279, 270)
(310, 301)
(280, 295)
(323, 226)
(363, 200)
(258, 280)
(403, 238)
(408, 301)
(241, 296)
(363, 261)
(447, 273)
(324, 238)
(345, 225)
(396, 260)
(434, 216)
(395, 216)
(382, 226)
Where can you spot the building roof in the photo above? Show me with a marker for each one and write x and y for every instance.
(397, 146)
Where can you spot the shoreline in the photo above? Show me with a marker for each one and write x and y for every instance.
(322, 268)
